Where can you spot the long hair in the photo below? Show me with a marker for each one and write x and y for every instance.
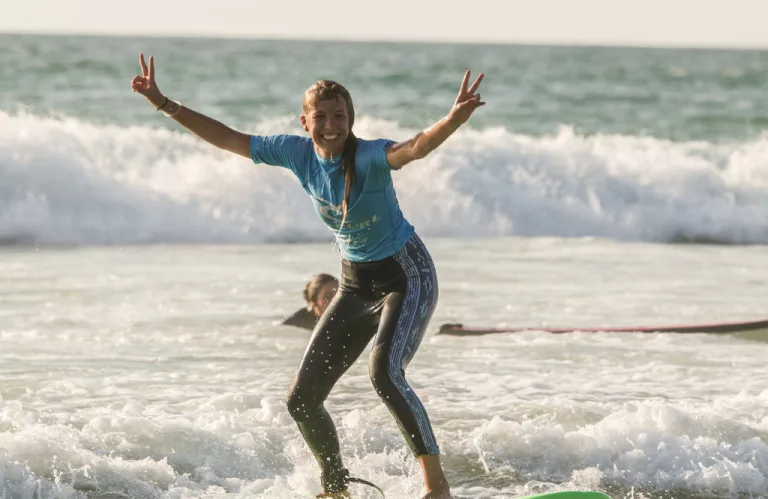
(330, 90)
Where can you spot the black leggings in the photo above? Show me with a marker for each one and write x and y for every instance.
(401, 293)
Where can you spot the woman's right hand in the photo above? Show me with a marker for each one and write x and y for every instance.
(145, 85)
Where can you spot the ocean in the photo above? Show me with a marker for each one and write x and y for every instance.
(143, 273)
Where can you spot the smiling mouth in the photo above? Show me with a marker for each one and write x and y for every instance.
(331, 136)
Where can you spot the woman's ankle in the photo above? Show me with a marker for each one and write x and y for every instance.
(435, 481)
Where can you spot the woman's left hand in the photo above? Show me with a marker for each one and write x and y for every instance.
(467, 100)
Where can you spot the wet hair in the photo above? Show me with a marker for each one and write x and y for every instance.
(330, 90)
(313, 287)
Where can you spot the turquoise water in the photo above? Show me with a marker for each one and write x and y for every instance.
(665, 93)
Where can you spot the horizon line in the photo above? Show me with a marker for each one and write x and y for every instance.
(579, 43)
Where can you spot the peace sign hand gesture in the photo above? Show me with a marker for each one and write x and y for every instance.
(144, 83)
(467, 100)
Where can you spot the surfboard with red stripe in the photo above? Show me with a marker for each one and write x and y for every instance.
(752, 329)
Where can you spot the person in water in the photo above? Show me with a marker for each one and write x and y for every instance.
(318, 293)
(386, 269)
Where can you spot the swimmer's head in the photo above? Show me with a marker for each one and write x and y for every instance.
(319, 292)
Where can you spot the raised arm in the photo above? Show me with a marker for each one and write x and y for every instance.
(206, 128)
(428, 140)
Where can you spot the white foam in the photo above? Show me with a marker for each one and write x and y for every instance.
(140, 371)
(66, 181)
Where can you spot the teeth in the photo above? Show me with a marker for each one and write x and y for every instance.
(330, 137)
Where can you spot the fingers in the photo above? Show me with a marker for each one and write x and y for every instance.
(144, 70)
(464, 82)
(468, 98)
(474, 86)
(151, 75)
(472, 103)
(139, 84)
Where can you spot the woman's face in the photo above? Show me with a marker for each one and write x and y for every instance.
(324, 297)
(327, 122)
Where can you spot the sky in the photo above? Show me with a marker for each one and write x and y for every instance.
(697, 23)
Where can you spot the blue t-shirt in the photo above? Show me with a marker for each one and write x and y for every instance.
(375, 227)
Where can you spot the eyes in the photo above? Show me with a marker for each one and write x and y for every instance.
(336, 116)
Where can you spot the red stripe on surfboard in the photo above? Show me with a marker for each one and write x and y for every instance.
(723, 327)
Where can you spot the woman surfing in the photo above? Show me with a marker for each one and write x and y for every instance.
(387, 273)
